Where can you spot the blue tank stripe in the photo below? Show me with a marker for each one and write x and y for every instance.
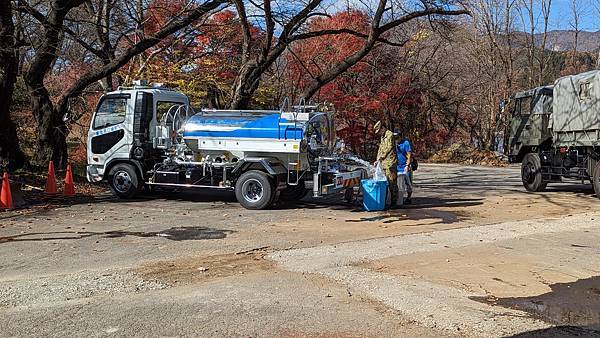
(264, 127)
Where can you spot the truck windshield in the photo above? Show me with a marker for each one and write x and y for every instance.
(111, 111)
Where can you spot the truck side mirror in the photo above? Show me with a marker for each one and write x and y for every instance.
(502, 105)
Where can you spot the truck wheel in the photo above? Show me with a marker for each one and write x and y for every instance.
(596, 178)
(531, 173)
(254, 190)
(123, 180)
(293, 192)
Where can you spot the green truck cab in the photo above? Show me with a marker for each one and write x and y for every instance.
(555, 132)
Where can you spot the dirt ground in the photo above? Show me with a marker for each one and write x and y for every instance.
(474, 255)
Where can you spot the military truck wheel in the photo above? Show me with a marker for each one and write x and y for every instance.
(596, 178)
(123, 181)
(531, 173)
(254, 190)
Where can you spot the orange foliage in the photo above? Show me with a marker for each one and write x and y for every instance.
(371, 90)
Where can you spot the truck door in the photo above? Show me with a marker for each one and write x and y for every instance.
(108, 135)
(520, 128)
(541, 115)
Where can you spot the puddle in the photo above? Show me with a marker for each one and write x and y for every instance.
(174, 234)
(574, 306)
(177, 233)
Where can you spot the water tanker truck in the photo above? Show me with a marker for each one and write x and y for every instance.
(149, 137)
(555, 132)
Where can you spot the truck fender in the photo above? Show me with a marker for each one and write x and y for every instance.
(270, 165)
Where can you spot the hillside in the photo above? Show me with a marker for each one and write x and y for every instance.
(562, 40)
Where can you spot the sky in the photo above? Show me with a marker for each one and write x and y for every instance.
(561, 15)
(560, 12)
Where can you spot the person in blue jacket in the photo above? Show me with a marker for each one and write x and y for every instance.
(404, 154)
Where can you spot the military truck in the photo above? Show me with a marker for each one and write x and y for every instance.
(555, 132)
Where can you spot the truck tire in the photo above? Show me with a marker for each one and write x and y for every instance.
(254, 190)
(531, 173)
(293, 192)
(124, 181)
(596, 178)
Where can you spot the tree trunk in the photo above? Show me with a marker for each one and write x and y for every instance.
(52, 131)
(531, 51)
(542, 61)
(108, 69)
(9, 62)
(242, 91)
(253, 67)
(106, 83)
(248, 80)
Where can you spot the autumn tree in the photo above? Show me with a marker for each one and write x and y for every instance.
(292, 26)
(412, 87)
(259, 55)
(203, 64)
(49, 114)
(386, 17)
(356, 94)
(51, 144)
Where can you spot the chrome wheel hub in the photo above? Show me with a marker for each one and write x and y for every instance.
(122, 181)
(252, 190)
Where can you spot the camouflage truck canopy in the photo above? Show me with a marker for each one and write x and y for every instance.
(576, 115)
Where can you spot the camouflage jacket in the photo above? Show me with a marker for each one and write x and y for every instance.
(386, 155)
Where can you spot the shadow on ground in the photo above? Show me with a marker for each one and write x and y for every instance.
(174, 234)
(560, 331)
(434, 190)
(572, 305)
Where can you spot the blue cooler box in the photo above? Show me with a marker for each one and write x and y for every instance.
(374, 194)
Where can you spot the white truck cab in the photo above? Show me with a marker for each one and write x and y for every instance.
(124, 126)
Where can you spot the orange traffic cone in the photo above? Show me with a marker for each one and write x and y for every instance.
(51, 181)
(6, 201)
(69, 186)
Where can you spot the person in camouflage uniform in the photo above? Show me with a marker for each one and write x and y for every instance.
(386, 156)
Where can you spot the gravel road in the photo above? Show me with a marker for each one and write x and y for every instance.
(468, 258)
